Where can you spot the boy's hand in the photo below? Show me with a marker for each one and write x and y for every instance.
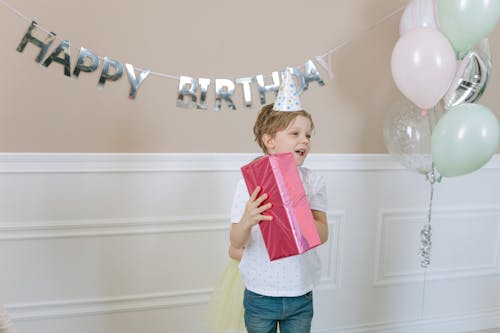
(254, 209)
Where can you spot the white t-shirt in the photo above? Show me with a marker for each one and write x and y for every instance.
(286, 277)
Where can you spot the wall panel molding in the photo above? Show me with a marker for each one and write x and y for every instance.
(472, 220)
(333, 253)
(82, 307)
(70, 162)
(111, 227)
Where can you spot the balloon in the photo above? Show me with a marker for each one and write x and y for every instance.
(464, 139)
(423, 65)
(418, 14)
(471, 77)
(466, 22)
(407, 135)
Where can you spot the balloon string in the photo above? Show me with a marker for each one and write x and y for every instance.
(425, 248)
(426, 232)
(422, 305)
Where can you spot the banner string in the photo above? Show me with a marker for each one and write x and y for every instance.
(364, 31)
(328, 53)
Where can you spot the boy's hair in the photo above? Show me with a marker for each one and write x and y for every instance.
(270, 122)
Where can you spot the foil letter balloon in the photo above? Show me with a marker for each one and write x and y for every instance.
(187, 88)
(64, 46)
(224, 90)
(135, 82)
(107, 73)
(87, 61)
(44, 46)
(311, 74)
(263, 89)
(471, 78)
(328, 64)
(247, 94)
(204, 83)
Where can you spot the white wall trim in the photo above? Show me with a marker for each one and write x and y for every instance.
(102, 162)
(487, 318)
(111, 227)
(335, 245)
(384, 278)
(75, 308)
(99, 306)
(22, 230)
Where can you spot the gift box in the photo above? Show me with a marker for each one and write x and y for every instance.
(292, 230)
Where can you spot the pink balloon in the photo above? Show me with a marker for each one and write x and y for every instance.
(423, 66)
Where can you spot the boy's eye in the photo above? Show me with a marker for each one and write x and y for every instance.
(308, 136)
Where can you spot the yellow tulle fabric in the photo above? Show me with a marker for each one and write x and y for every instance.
(225, 309)
(6, 324)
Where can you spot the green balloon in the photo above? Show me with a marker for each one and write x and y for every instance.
(466, 22)
(464, 139)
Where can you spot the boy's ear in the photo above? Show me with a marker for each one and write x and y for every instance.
(268, 141)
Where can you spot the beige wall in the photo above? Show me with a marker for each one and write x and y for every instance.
(41, 110)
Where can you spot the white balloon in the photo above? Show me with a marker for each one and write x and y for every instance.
(418, 14)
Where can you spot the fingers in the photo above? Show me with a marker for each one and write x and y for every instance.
(255, 207)
(266, 217)
(255, 193)
(261, 199)
(258, 200)
(265, 207)
(260, 210)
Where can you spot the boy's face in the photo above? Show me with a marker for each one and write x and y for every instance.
(296, 138)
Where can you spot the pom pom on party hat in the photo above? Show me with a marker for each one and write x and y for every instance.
(288, 95)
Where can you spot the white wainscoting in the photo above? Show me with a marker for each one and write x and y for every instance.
(135, 242)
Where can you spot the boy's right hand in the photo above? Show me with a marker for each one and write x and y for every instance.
(254, 209)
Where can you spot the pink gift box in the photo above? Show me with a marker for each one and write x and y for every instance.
(292, 230)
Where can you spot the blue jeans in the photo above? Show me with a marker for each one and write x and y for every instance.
(264, 313)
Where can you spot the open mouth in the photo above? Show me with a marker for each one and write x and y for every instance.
(301, 152)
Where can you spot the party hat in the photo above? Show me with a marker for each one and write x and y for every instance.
(288, 96)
